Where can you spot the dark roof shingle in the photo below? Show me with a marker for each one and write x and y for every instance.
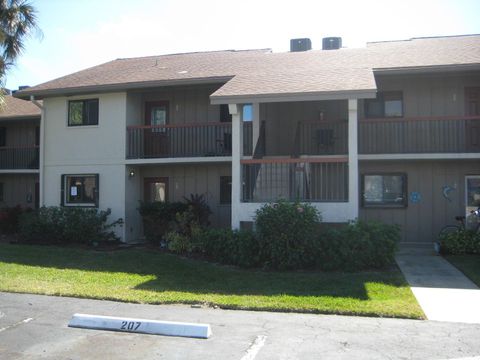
(261, 72)
(17, 108)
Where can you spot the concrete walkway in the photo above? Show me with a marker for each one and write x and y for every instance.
(443, 292)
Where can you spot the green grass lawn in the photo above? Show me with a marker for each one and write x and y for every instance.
(468, 264)
(144, 276)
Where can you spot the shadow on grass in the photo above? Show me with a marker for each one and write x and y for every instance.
(173, 273)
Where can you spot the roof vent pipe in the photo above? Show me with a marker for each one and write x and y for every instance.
(331, 43)
(297, 45)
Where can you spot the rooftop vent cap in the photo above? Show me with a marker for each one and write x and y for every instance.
(331, 43)
(297, 45)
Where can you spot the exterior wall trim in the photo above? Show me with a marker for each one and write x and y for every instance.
(186, 160)
(20, 171)
(420, 156)
(292, 97)
(426, 69)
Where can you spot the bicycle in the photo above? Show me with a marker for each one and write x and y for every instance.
(449, 229)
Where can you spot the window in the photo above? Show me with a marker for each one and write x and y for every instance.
(83, 112)
(225, 190)
(156, 114)
(247, 112)
(79, 190)
(386, 104)
(384, 190)
(3, 136)
(156, 189)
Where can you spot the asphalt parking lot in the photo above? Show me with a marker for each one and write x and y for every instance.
(35, 327)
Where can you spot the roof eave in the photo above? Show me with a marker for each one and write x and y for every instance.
(291, 97)
(427, 69)
(20, 117)
(84, 90)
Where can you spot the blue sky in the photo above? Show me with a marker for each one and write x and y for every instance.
(80, 34)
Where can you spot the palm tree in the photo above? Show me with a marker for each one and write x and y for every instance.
(18, 18)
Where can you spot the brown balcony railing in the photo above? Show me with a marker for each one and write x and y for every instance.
(19, 158)
(309, 180)
(419, 135)
(184, 140)
(180, 140)
(324, 137)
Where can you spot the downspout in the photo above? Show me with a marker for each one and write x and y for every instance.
(41, 150)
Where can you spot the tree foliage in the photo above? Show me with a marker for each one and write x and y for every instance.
(18, 19)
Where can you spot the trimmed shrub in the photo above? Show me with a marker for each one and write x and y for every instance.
(232, 247)
(10, 217)
(460, 242)
(286, 234)
(158, 218)
(178, 243)
(67, 225)
(359, 245)
(199, 208)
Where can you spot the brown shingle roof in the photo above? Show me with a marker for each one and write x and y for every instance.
(426, 52)
(260, 72)
(16, 108)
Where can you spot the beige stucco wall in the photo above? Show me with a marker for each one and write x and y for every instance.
(98, 149)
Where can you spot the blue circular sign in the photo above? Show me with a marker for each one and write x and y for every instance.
(415, 197)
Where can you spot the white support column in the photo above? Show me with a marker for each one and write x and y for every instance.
(41, 162)
(255, 124)
(237, 153)
(353, 193)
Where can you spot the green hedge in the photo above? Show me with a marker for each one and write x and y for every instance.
(460, 242)
(67, 225)
(233, 247)
(357, 246)
(288, 236)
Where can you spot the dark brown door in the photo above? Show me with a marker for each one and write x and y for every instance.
(472, 108)
(155, 189)
(156, 138)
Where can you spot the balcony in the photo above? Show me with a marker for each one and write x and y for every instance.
(419, 135)
(184, 140)
(307, 180)
(19, 158)
(325, 137)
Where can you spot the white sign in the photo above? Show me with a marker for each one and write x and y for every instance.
(73, 191)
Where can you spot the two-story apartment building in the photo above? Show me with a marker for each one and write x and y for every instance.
(388, 132)
(19, 153)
